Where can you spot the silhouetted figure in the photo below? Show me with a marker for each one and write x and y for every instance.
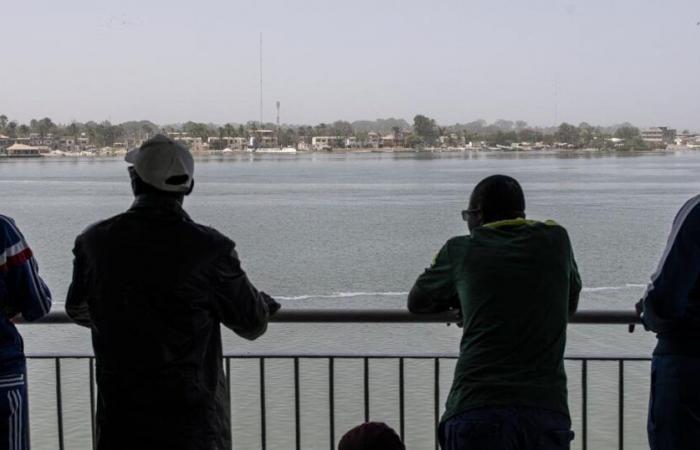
(22, 291)
(371, 436)
(516, 283)
(154, 286)
(671, 308)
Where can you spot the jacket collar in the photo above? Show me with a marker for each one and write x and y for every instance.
(518, 222)
(159, 204)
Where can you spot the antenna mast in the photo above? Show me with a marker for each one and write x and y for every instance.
(279, 131)
(261, 83)
(556, 102)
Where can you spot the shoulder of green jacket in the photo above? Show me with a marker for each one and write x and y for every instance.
(520, 222)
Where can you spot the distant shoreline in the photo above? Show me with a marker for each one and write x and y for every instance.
(235, 154)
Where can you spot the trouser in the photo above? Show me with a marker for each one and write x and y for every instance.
(14, 411)
(507, 428)
(674, 403)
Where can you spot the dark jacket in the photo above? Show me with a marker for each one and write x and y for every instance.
(516, 283)
(672, 300)
(154, 286)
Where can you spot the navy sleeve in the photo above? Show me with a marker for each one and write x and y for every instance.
(668, 293)
(26, 291)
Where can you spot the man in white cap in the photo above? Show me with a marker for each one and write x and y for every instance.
(154, 286)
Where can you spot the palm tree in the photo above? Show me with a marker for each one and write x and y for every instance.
(12, 129)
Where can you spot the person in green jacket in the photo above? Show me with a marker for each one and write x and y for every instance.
(515, 283)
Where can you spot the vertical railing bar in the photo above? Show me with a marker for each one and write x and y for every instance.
(437, 401)
(92, 401)
(584, 403)
(228, 394)
(26, 388)
(59, 403)
(297, 422)
(263, 425)
(402, 410)
(621, 412)
(331, 400)
(228, 377)
(366, 389)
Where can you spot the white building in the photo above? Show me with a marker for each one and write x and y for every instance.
(659, 135)
(324, 142)
(262, 139)
(23, 150)
(234, 143)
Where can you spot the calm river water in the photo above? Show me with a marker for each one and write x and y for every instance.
(353, 231)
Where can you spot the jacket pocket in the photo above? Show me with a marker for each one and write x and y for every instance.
(475, 435)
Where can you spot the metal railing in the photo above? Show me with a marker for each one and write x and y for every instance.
(605, 317)
(362, 316)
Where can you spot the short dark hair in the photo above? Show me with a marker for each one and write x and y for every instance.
(499, 197)
(371, 436)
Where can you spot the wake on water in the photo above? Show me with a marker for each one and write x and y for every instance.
(403, 294)
(335, 295)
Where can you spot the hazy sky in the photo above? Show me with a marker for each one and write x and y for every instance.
(601, 61)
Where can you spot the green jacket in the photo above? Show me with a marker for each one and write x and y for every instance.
(516, 283)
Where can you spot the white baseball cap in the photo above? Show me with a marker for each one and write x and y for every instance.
(163, 163)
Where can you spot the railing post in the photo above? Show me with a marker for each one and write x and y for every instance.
(621, 412)
(263, 424)
(331, 400)
(297, 420)
(437, 401)
(402, 405)
(584, 403)
(59, 404)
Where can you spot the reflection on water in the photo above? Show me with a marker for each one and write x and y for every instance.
(354, 230)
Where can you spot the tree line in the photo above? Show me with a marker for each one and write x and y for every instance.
(423, 132)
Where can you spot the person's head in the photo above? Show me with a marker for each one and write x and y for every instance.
(498, 197)
(161, 167)
(371, 436)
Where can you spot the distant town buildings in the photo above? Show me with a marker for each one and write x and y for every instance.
(25, 150)
(263, 139)
(321, 143)
(105, 139)
(659, 135)
(232, 143)
(5, 141)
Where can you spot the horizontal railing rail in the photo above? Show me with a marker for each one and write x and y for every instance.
(302, 315)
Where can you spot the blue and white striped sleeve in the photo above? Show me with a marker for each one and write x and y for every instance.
(26, 291)
(668, 294)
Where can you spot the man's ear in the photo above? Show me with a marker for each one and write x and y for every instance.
(133, 177)
(191, 188)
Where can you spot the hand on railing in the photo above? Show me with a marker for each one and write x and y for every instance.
(272, 305)
(638, 309)
(459, 318)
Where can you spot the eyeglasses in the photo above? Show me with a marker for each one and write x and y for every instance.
(469, 212)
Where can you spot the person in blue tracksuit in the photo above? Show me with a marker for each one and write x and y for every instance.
(23, 292)
(671, 308)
